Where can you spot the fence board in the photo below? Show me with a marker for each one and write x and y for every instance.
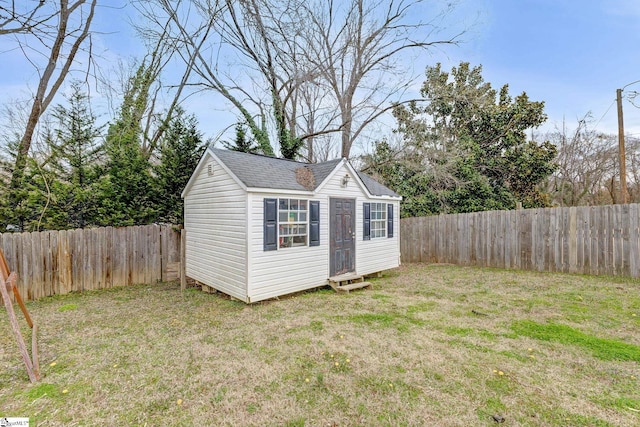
(127, 250)
(548, 234)
(478, 240)
(107, 272)
(98, 251)
(58, 262)
(554, 240)
(587, 240)
(594, 241)
(433, 240)
(617, 240)
(580, 240)
(55, 264)
(142, 233)
(45, 254)
(164, 252)
(175, 249)
(36, 268)
(625, 235)
(634, 241)
(79, 259)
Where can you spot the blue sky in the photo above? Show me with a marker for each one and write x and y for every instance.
(571, 54)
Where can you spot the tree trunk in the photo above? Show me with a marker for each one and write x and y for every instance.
(44, 98)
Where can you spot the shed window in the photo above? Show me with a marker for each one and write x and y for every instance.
(378, 220)
(293, 222)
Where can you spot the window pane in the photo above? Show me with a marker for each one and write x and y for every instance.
(285, 242)
(378, 226)
(292, 222)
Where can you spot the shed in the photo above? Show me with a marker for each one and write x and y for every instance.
(259, 227)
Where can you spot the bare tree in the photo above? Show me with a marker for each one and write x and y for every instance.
(316, 118)
(263, 70)
(357, 47)
(196, 29)
(165, 49)
(303, 70)
(62, 45)
(587, 166)
(25, 17)
(633, 168)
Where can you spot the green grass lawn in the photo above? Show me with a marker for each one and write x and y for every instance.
(429, 345)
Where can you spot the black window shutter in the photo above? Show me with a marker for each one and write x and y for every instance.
(390, 220)
(270, 224)
(314, 223)
(366, 221)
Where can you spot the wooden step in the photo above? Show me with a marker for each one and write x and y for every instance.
(350, 286)
(348, 277)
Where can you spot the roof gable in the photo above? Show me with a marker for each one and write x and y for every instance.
(258, 171)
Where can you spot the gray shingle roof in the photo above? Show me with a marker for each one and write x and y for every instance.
(257, 171)
(374, 187)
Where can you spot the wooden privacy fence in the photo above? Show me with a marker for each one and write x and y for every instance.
(589, 240)
(57, 262)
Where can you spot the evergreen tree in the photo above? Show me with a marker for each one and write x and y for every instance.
(75, 152)
(125, 187)
(15, 217)
(179, 155)
(243, 142)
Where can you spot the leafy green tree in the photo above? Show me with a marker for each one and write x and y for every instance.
(464, 147)
(179, 155)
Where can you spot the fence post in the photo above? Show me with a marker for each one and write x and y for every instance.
(183, 275)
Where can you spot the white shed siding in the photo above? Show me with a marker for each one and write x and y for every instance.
(286, 270)
(371, 255)
(379, 254)
(215, 223)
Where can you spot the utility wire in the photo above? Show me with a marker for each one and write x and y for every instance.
(605, 113)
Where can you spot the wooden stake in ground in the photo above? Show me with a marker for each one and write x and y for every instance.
(8, 283)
